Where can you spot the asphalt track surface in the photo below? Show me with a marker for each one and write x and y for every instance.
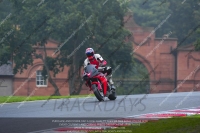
(39, 115)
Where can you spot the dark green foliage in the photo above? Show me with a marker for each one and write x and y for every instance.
(184, 17)
(75, 24)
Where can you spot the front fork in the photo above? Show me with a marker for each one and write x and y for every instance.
(101, 84)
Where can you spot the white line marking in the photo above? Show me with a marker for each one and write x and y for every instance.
(161, 112)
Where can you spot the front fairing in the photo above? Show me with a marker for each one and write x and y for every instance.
(91, 71)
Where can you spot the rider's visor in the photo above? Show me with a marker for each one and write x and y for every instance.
(89, 54)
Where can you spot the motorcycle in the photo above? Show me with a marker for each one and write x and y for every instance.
(98, 83)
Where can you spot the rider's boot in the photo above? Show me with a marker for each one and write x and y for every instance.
(111, 82)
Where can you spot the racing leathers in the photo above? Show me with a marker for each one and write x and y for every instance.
(101, 66)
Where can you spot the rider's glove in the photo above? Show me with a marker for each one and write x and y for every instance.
(104, 63)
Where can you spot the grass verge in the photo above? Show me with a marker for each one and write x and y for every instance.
(172, 125)
(9, 99)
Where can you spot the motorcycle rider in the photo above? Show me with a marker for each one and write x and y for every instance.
(96, 59)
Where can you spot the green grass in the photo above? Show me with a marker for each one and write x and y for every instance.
(10, 99)
(194, 116)
(172, 125)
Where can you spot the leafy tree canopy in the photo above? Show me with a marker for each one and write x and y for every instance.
(75, 24)
(184, 17)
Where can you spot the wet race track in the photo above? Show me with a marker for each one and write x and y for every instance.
(42, 115)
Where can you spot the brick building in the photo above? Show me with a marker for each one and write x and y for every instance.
(172, 68)
(31, 82)
(6, 79)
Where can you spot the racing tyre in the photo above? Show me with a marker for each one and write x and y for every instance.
(99, 95)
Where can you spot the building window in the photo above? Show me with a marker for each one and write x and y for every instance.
(40, 82)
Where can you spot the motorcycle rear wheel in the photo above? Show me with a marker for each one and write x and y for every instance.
(97, 93)
(113, 95)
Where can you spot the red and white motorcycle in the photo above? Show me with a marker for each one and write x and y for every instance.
(98, 83)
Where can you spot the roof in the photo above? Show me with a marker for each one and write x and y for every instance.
(186, 47)
(6, 70)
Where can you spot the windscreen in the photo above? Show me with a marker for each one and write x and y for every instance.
(92, 70)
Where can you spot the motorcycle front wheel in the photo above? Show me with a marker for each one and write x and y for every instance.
(99, 95)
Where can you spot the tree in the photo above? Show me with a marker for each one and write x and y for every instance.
(5, 13)
(105, 26)
(5, 9)
(184, 20)
(197, 16)
(184, 17)
(76, 25)
(151, 14)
